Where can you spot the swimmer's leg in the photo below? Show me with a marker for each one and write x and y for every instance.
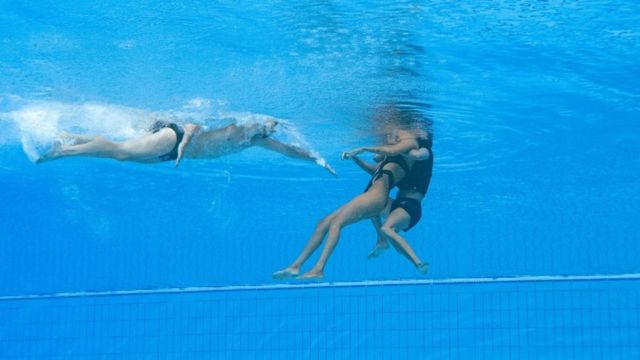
(75, 139)
(361, 207)
(97, 147)
(381, 244)
(142, 149)
(316, 239)
(400, 219)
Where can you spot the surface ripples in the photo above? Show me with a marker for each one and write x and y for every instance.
(483, 71)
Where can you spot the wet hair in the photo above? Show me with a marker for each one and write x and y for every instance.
(403, 117)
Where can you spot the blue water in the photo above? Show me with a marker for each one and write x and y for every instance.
(534, 107)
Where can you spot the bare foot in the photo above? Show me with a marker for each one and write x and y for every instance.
(286, 273)
(423, 268)
(378, 250)
(311, 275)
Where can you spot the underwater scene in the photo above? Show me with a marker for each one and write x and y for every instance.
(319, 179)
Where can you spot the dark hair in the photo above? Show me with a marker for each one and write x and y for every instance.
(405, 117)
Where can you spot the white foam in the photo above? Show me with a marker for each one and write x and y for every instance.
(40, 122)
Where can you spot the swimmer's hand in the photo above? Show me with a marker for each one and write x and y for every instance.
(180, 153)
(189, 131)
(322, 162)
(331, 170)
(351, 154)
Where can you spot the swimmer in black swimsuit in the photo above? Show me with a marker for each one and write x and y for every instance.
(173, 154)
(406, 209)
(171, 142)
(366, 205)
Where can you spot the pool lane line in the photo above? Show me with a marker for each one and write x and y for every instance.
(320, 285)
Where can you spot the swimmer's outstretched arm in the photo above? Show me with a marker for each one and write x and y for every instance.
(401, 147)
(189, 131)
(291, 151)
(364, 165)
(415, 154)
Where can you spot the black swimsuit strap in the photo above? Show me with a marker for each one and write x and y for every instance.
(173, 154)
(179, 133)
(392, 179)
(378, 174)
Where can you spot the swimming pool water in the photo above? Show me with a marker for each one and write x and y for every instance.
(534, 107)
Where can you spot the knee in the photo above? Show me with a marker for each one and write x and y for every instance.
(121, 152)
(388, 230)
(322, 224)
(335, 226)
(112, 149)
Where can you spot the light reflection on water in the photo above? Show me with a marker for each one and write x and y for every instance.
(486, 73)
